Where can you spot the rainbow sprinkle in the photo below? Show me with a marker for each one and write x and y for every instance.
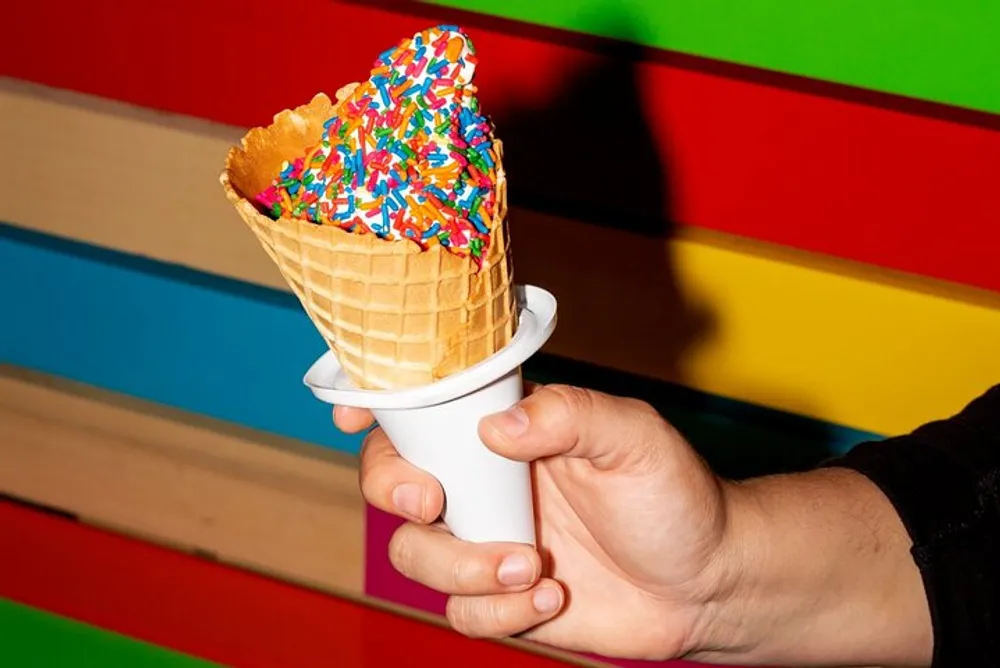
(409, 156)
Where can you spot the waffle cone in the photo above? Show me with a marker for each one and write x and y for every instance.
(395, 315)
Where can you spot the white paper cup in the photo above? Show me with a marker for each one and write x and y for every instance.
(435, 427)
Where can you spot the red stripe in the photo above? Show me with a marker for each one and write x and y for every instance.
(833, 176)
(208, 610)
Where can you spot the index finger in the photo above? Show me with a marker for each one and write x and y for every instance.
(352, 420)
(393, 485)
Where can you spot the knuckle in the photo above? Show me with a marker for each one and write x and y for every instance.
(454, 614)
(467, 574)
(370, 490)
(367, 442)
(368, 467)
(644, 412)
(375, 439)
(367, 482)
(401, 550)
(649, 431)
(476, 617)
(367, 487)
(641, 407)
(571, 401)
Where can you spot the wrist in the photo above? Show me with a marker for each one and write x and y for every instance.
(814, 569)
(724, 627)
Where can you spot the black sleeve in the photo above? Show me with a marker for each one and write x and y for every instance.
(944, 481)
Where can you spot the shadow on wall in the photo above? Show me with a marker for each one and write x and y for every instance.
(597, 219)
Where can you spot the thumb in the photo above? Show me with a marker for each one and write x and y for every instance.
(575, 422)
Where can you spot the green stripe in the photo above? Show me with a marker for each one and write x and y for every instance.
(30, 637)
(940, 50)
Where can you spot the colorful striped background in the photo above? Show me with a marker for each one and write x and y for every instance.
(925, 49)
(72, 595)
(776, 221)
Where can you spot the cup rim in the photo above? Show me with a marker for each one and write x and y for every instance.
(536, 323)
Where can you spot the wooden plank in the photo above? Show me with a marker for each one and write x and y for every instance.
(770, 326)
(274, 504)
(142, 182)
(870, 355)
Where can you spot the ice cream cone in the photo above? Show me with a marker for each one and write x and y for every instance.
(394, 314)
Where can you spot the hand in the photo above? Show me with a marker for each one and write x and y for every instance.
(630, 523)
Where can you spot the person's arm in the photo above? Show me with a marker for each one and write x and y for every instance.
(824, 577)
(887, 556)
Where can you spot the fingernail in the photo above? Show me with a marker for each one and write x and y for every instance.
(408, 500)
(511, 423)
(546, 600)
(515, 570)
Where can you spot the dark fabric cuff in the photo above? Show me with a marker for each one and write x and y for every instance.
(944, 481)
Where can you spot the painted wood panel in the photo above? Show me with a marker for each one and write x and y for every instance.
(887, 186)
(222, 614)
(943, 51)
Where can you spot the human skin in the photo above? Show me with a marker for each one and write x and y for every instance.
(643, 552)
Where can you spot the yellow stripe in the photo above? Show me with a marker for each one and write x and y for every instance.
(861, 353)
(815, 336)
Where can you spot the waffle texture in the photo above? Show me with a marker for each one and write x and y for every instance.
(395, 315)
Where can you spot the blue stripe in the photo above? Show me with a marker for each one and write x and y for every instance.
(165, 333)
(237, 351)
